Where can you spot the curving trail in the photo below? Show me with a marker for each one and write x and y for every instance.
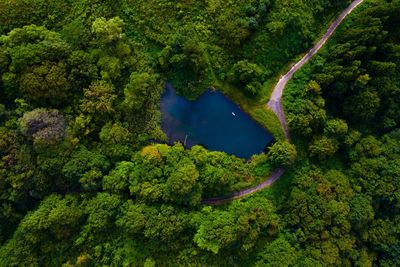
(276, 105)
(223, 199)
(275, 102)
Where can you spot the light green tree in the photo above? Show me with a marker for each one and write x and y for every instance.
(282, 153)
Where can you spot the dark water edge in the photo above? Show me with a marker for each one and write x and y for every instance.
(213, 121)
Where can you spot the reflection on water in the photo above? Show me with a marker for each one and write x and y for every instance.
(213, 121)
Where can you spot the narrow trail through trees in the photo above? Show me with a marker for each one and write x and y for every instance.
(276, 105)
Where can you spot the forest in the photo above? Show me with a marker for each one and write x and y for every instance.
(84, 183)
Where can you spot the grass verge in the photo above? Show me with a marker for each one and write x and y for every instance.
(255, 107)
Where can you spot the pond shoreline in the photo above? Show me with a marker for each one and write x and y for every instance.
(214, 121)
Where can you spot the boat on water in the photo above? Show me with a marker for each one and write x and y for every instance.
(233, 113)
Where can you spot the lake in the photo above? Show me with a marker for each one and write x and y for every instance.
(213, 121)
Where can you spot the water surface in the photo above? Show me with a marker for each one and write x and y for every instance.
(213, 121)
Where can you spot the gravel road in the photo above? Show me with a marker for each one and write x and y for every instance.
(275, 104)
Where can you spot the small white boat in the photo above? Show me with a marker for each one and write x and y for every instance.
(184, 143)
(233, 113)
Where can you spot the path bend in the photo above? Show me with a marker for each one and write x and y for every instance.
(276, 105)
(275, 102)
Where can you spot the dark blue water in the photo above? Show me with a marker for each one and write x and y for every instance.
(209, 121)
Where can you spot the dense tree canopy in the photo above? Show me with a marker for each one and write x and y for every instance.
(86, 178)
(355, 80)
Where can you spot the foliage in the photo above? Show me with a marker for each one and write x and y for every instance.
(346, 209)
(140, 88)
(82, 164)
(247, 74)
(99, 98)
(278, 253)
(282, 153)
(43, 126)
(82, 182)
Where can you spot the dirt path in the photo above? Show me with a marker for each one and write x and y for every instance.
(219, 200)
(275, 102)
(276, 105)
